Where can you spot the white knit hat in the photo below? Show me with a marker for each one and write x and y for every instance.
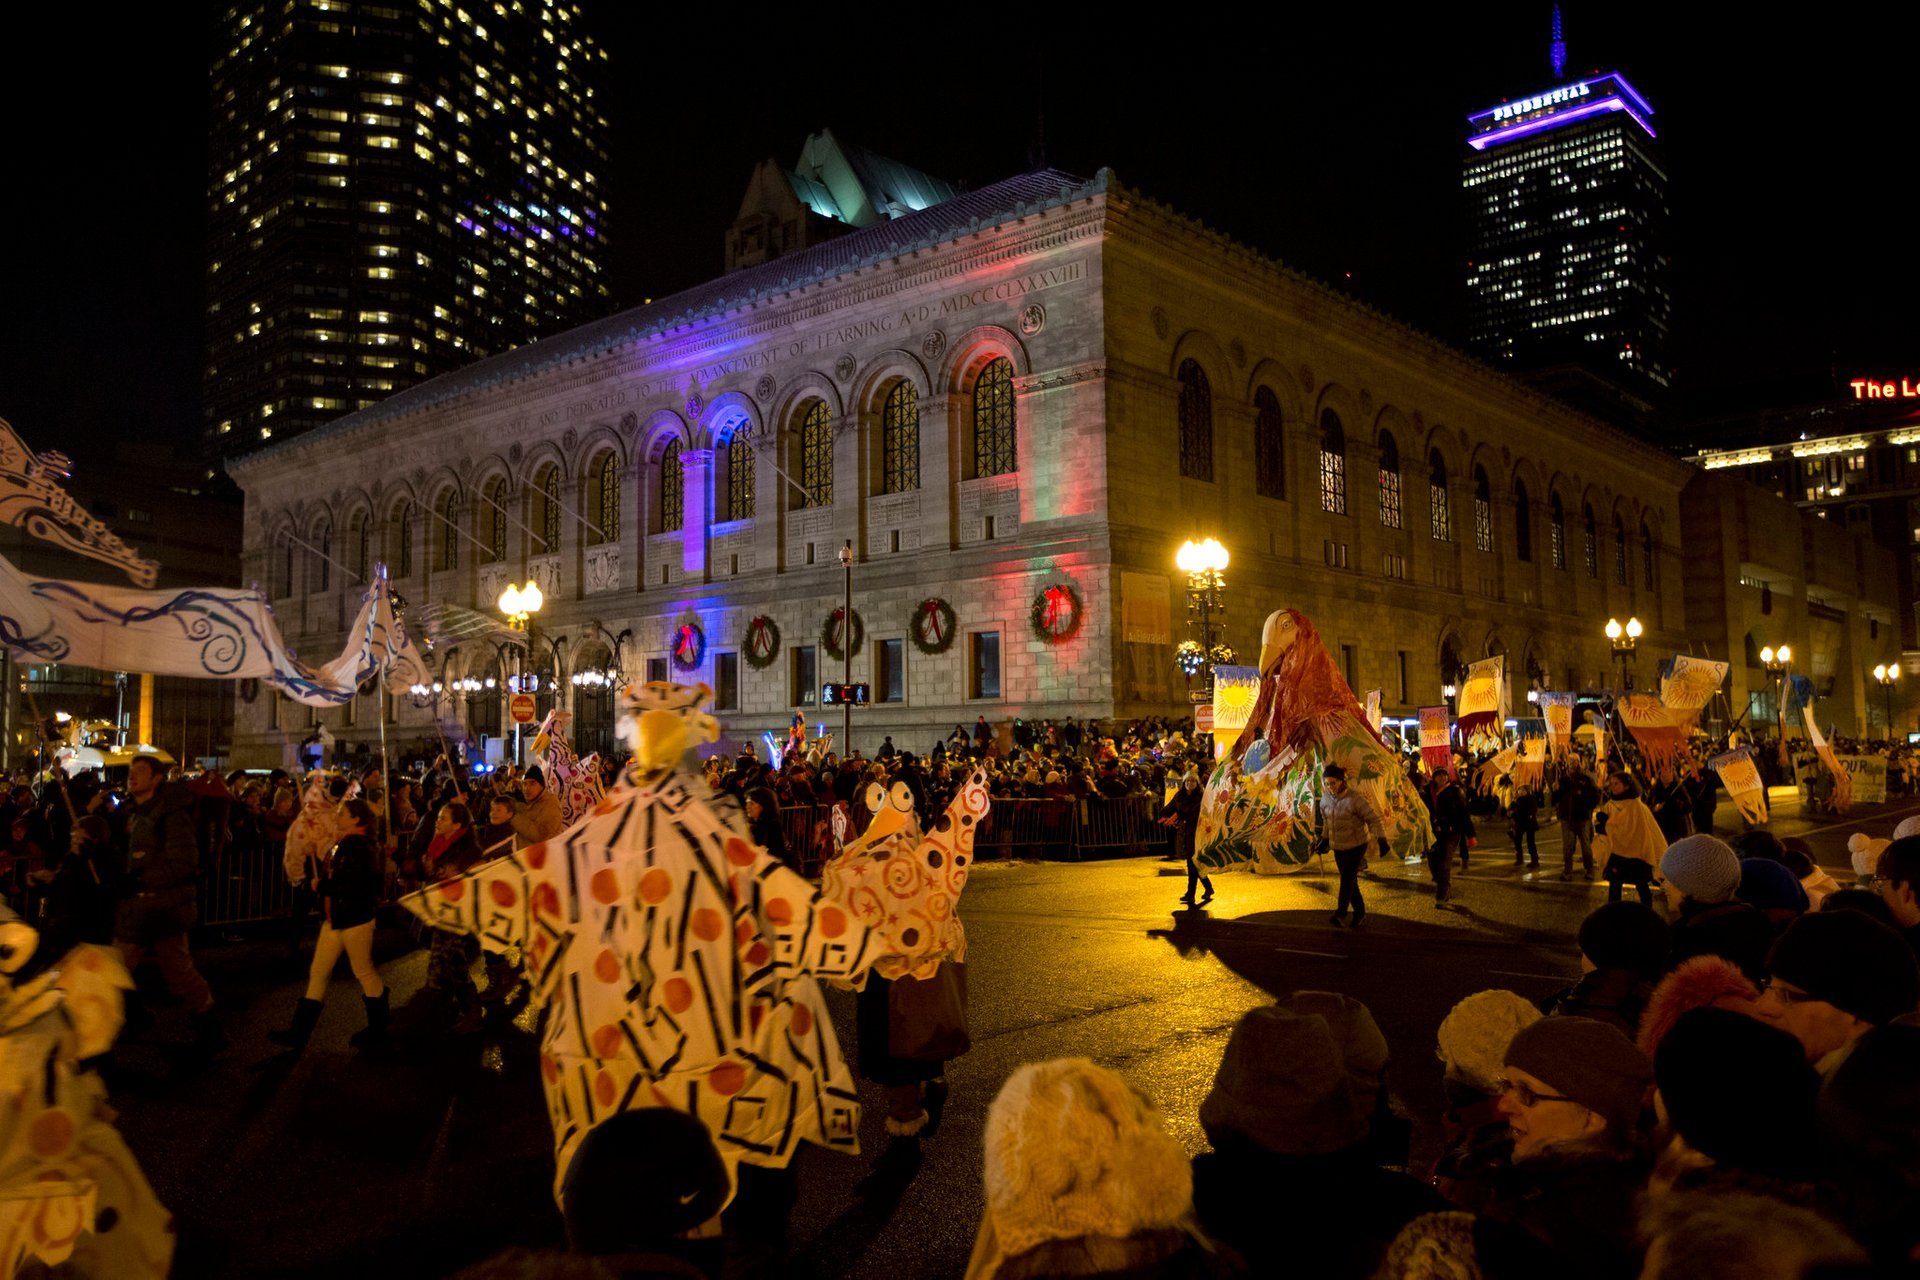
(1907, 827)
(1475, 1035)
(1864, 851)
(1073, 1150)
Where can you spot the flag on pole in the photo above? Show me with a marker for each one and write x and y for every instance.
(1842, 780)
(1741, 777)
(1557, 710)
(1484, 696)
(32, 498)
(1436, 747)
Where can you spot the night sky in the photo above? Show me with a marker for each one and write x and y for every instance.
(1331, 140)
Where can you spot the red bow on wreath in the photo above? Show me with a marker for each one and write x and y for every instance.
(932, 608)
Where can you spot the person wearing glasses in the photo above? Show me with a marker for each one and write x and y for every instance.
(1897, 880)
(1834, 976)
(1574, 1094)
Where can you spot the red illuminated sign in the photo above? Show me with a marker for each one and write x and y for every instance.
(1874, 389)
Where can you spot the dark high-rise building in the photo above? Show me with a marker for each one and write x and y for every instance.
(396, 191)
(1568, 278)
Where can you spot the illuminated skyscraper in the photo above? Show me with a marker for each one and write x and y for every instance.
(396, 190)
(1568, 278)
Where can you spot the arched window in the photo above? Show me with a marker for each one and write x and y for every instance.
(323, 557)
(1269, 446)
(1196, 422)
(405, 554)
(493, 520)
(1438, 498)
(1333, 464)
(1557, 529)
(1593, 540)
(283, 567)
(994, 453)
(606, 499)
(1390, 515)
(1619, 551)
(740, 475)
(1646, 553)
(900, 440)
(358, 547)
(673, 488)
(546, 510)
(1482, 510)
(1522, 521)
(816, 455)
(449, 530)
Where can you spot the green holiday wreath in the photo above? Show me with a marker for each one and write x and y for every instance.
(934, 625)
(1056, 614)
(829, 636)
(761, 643)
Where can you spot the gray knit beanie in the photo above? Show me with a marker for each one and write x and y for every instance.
(1702, 867)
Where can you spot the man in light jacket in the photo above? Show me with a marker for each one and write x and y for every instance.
(1347, 819)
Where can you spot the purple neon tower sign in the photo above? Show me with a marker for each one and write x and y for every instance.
(1559, 106)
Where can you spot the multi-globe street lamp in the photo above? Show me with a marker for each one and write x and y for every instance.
(1205, 565)
(1776, 661)
(1887, 674)
(1625, 640)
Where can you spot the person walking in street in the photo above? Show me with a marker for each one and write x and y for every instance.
(1628, 838)
(158, 903)
(1182, 813)
(1576, 798)
(1523, 814)
(1452, 831)
(348, 886)
(1347, 821)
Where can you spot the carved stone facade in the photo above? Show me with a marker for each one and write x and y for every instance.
(794, 361)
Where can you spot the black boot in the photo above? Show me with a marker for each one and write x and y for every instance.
(375, 1032)
(295, 1037)
(208, 1037)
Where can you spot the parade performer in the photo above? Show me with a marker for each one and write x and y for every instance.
(1262, 803)
(574, 781)
(70, 1191)
(905, 885)
(679, 963)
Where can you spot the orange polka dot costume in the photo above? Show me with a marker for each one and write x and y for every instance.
(70, 1191)
(679, 963)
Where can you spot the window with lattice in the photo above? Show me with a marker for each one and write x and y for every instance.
(994, 441)
(739, 476)
(1333, 464)
(494, 519)
(1390, 506)
(1441, 520)
(323, 558)
(546, 510)
(900, 440)
(1522, 522)
(816, 455)
(1557, 530)
(405, 556)
(450, 531)
(1619, 552)
(1593, 544)
(1196, 422)
(1646, 554)
(1269, 446)
(606, 504)
(673, 489)
(1482, 510)
(361, 550)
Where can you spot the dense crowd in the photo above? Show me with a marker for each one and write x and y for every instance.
(1730, 1086)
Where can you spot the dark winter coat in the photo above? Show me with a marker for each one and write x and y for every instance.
(1614, 996)
(1565, 1214)
(163, 861)
(1739, 932)
(350, 882)
(1236, 1190)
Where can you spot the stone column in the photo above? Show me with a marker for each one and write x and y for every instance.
(696, 528)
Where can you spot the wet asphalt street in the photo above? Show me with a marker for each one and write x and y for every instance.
(419, 1159)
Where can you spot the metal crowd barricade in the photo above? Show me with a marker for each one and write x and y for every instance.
(245, 885)
(1126, 825)
(1016, 828)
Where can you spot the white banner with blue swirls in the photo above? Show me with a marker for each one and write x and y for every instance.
(218, 633)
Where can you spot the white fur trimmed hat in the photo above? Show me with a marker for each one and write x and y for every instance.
(1475, 1035)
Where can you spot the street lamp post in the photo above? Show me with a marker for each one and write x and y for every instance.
(1887, 674)
(846, 654)
(1776, 661)
(1205, 565)
(1625, 640)
(520, 604)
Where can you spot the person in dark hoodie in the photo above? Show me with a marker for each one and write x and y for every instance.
(1286, 1129)
(1623, 952)
(1702, 875)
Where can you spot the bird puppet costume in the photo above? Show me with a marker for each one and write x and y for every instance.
(1262, 803)
(678, 962)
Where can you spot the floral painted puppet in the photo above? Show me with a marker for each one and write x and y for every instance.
(575, 781)
(679, 963)
(1262, 803)
(70, 1191)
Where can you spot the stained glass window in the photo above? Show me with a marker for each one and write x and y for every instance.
(607, 499)
(1389, 481)
(1196, 422)
(994, 452)
(740, 476)
(900, 440)
(816, 455)
(1333, 464)
(673, 489)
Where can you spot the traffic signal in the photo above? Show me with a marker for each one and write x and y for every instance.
(834, 695)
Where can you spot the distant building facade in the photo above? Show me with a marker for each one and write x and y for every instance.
(396, 190)
(1569, 270)
(1015, 404)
